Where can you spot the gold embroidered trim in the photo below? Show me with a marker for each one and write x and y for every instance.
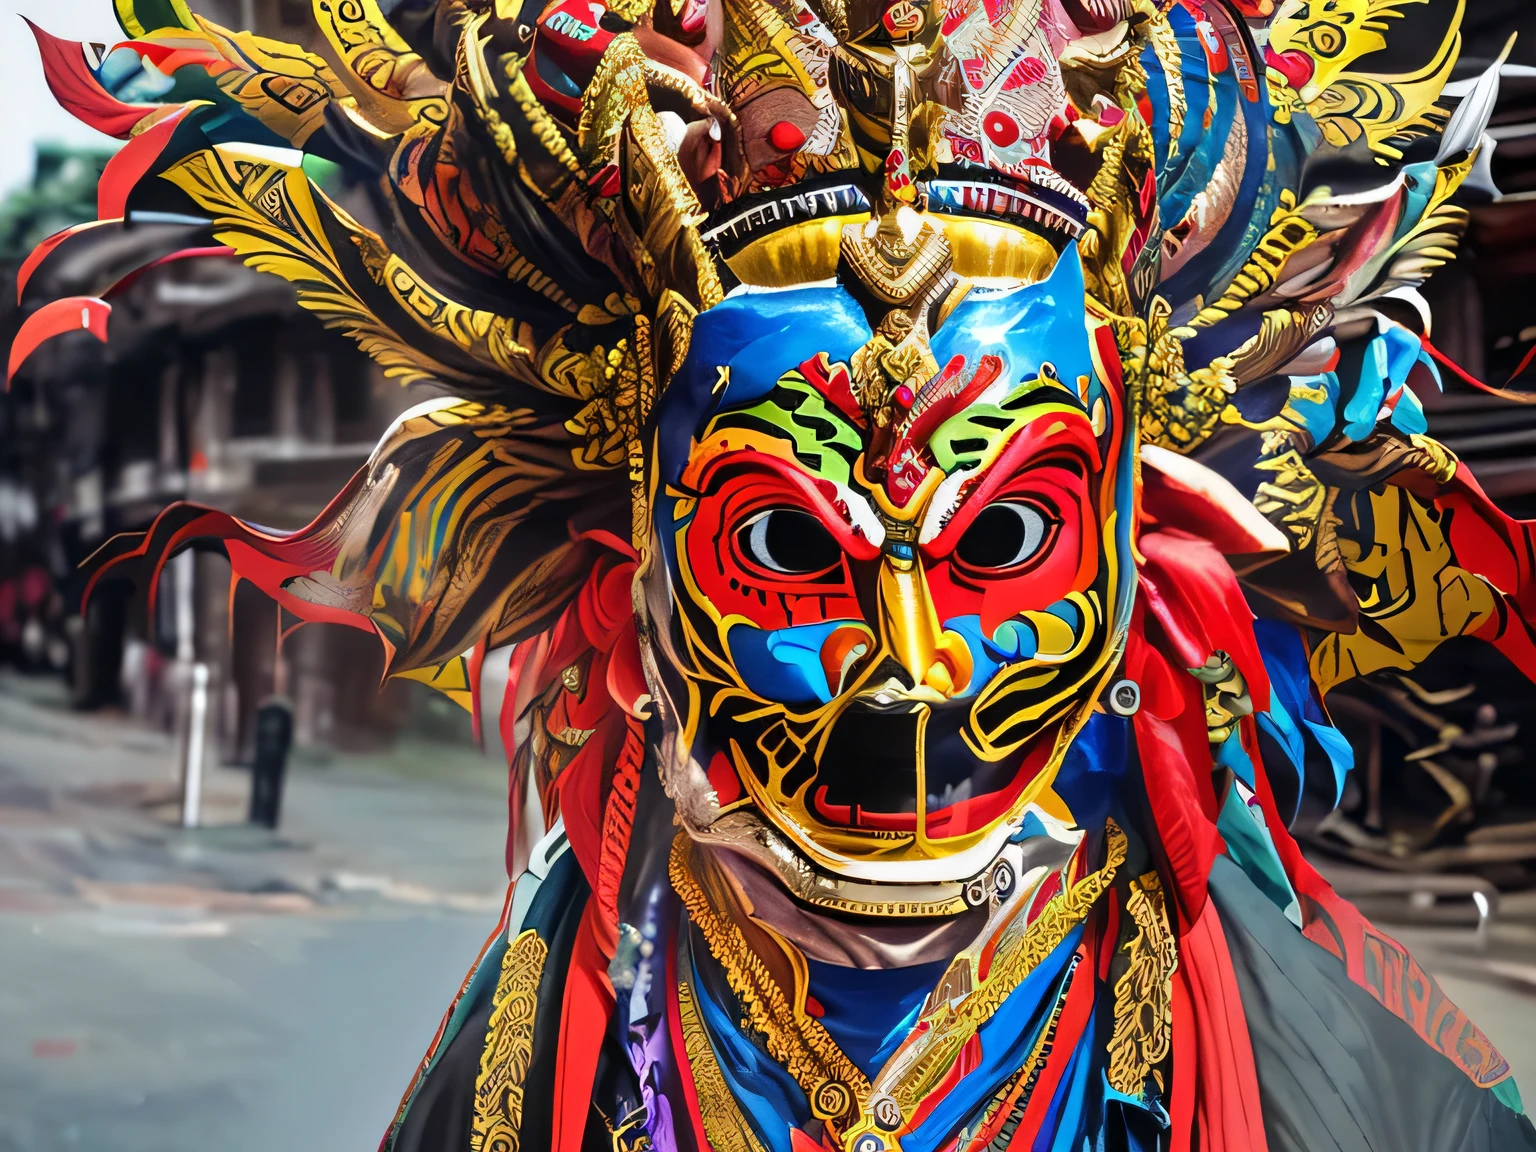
(839, 1091)
(951, 1024)
(1017, 1092)
(1048, 930)
(508, 1047)
(1144, 994)
(963, 1000)
(724, 1125)
(805, 1049)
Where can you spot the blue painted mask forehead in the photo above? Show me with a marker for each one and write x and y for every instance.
(743, 347)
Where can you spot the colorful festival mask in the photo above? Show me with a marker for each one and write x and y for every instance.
(890, 615)
(913, 472)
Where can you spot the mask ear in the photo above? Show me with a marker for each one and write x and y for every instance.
(1062, 294)
(1066, 284)
(1180, 492)
(1028, 326)
(1051, 323)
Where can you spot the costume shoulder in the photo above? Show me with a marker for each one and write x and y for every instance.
(1340, 1069)
(492, 1069)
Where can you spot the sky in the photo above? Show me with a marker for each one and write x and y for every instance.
(30, 114)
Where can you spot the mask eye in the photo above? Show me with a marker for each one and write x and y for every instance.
(1003, 535)
(789, 541)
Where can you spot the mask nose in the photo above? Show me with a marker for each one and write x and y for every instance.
(915, 639)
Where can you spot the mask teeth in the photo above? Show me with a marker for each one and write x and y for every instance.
(987, 199)
(1093, 16)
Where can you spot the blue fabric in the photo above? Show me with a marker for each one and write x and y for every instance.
(1353, 403)
(1006, 1040)
(1073, 1119)
(1252, 848)
(769, 1098)
(1199, 147)
(1157, 96)
(1128, 1122)
(1094, 768)
(870, 1012)
(1067, 1121)
(1295, 720)
(1230, 753)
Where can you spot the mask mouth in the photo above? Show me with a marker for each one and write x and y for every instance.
(879, 754)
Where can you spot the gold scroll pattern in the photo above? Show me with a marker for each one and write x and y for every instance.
(797, 1041)
(963, 1000)
(508, 1047)
(724, 1125)
(496, 342)
(271, 216)
(1143, 1031)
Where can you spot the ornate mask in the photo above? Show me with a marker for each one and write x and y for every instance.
(891, 607)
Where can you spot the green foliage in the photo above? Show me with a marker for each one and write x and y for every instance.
(62, 194)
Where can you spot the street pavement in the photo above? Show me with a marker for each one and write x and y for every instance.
(170, 991)
(223, 988)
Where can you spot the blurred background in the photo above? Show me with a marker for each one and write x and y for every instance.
(181, 976)
(233, 985)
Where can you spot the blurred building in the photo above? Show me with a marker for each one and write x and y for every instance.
(215, 387)
(32, 607)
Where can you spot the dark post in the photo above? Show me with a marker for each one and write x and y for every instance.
(274, 736)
